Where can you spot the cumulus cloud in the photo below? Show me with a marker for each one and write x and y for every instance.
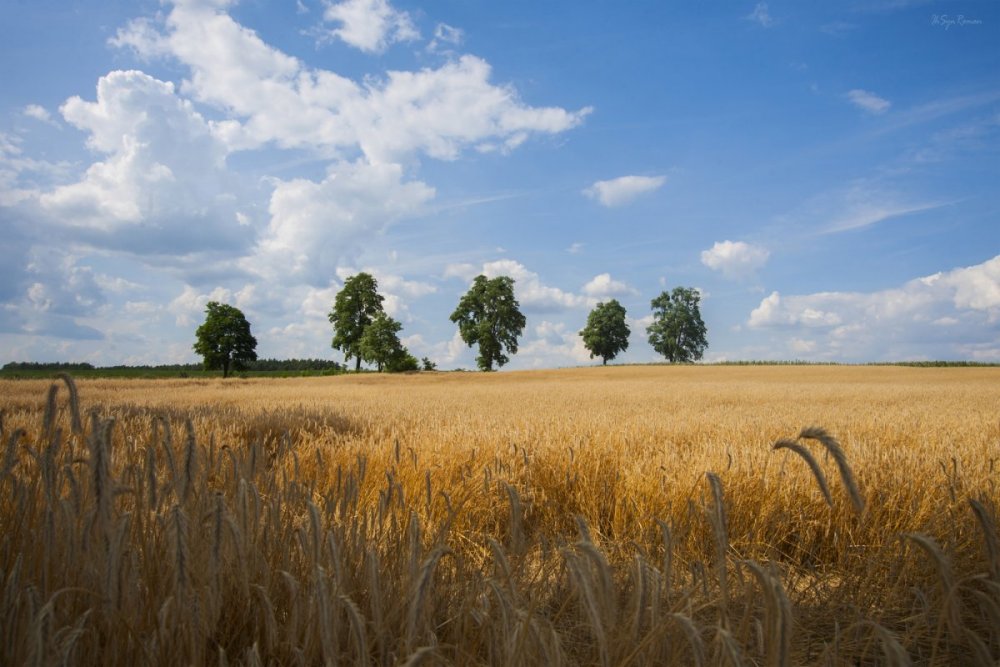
(868, 101)
(624, 189)
(957, 308)
(531, 293)
(162, 187)
(370, 25)
(552, 344)
(735, 259)
(603, 286)
(314, 226)
(54, 296)
(162, 196)
(439, 111)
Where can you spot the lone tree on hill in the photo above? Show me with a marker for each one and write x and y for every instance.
(354, 308)
(677, 331)
(224, 339)
(489, 315)
(606, 333)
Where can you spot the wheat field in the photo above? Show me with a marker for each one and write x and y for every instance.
(758, 515)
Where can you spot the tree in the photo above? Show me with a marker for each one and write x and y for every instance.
(403, 362)
(224, 339)
(677, 331)
(428, 365)
(489, 315)
(380, 344)
(354, 308)
(606, 333)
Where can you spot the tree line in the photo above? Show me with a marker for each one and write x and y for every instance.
(488, 316)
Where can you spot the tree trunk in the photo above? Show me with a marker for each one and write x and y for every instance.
(357, 365)
(604, 361)
(225, 369)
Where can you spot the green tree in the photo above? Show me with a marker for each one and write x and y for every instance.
(677, 331)
(380, 344)
(403, 362)
(224, 339)
(606, 333)
(428, 365)
(489, 315)
(354, 308)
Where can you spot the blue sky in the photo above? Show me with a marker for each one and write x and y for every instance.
(825, 173)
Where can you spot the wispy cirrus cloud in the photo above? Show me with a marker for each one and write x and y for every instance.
(761, 15)
(861, 204)
(868, 101)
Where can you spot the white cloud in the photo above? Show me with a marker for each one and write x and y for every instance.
(186, 305)
(861, 206)
(370, 25)
(464, 271)
(163, 186)
(956, 308)
(439, 111)
(761, 15)
(800, 346)
(445, 36)
(735, 259)
(314, 226)
(604, 286)
(575, 248)
(868, 101)
(552, 345)
(39, 113)
(624, 189)
(531, 293)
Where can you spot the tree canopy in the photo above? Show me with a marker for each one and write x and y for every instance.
(354, 308)
(677, 331)
(224, 339)
(606, 333)
(380, 344)
(489, 316)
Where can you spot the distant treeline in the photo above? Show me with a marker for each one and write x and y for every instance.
(259, 365)
(46, 366)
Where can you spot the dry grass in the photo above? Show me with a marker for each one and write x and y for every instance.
(593, 516)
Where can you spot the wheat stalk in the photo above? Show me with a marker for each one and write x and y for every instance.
(813, 465)
(833, 447)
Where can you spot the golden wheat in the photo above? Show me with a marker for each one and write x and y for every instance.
(593, 516)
